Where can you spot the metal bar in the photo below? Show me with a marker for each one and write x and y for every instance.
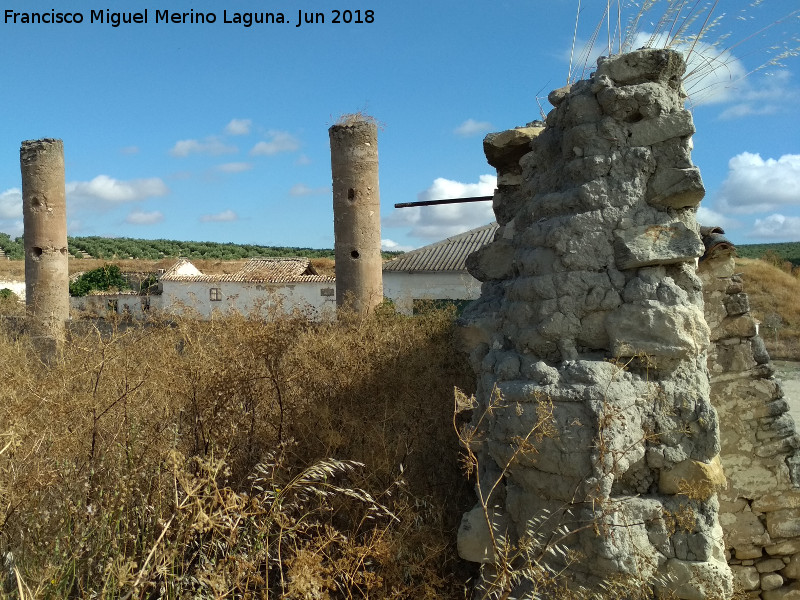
(447, 201)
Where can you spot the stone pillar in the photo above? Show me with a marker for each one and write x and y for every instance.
(594, 436)
(356, 212)
(45, 222)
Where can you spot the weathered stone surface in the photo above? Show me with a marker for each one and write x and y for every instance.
(676, 188)
(768, 565)
(783, 547)
(504, 149)
(784, 523)
(640, 66)
(656, 245)
(771, 581)
(743, 529)
(474, 537)
(656, 330)
(742, 326)
(698, 580)
(792, 570)
(778, 500)
(495, 261)
(789, 592)
(605, 247)
(747, 577)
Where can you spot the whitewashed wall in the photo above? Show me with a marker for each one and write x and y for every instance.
(189, 296)
(404, 288)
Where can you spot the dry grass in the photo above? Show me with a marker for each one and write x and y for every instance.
(215, 460)
(773, 292)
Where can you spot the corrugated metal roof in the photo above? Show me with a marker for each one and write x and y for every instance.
(256, 270)
(447, 255)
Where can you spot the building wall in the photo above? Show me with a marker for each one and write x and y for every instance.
(189, 296)
(101, 305)
(404, 288)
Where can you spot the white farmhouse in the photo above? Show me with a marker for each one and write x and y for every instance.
(265, 284)
(436, 272)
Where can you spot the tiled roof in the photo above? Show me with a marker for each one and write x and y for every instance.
(447, 255)
(255, 270)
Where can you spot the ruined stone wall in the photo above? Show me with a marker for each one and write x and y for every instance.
(760, 509)
(591, 309)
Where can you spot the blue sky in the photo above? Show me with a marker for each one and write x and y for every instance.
(219, 131)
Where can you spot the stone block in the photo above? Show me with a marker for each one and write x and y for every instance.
(474, 538)
(776, 501)
(769, 565)
(505, 148)
(789, 592)
(737, 304)
(747, 577)
(703, 479)
(783, 547)
(742, 326)
(640, 66)
(784, 523)
(749, 552)
(743, 529)
(676, 188)
(771, 581)
(792, 570)
(656, 245)
(698, 580)
(494, 261)
(657, 330)
(661, 129)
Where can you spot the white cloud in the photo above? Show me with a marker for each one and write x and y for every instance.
(757, 185)
(140, 217)
(225, 216)
(438, 222)
(280, 141)
(301, 189)
(388, 245)
(712, 218)
(778, 227)
(239, 127)
(471, 127)
(115, 191)
(11, 204)
(768, 95)
(235, 167)
(211, 145)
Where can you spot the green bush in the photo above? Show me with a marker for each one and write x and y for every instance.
(105, 278)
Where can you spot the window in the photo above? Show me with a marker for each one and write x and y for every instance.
(215, 294)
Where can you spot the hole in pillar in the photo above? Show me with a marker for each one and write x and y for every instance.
(354, 254)
(36, 252)
(351, 194)
(63, 251)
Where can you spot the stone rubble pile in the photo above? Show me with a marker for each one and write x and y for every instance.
(591, 308)
(760, 509)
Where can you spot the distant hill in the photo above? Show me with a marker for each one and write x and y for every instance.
(124, 248)
(786, 251)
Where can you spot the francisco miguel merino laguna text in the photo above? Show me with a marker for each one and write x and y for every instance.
(245, 19)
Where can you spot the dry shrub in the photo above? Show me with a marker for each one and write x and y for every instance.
(773, 294)
(234, 458)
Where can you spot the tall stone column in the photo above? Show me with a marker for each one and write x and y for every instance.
(44, 210)
(356, 212)
(595, 441)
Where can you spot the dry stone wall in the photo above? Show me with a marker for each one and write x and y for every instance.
(591, 309)
(760, 509)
